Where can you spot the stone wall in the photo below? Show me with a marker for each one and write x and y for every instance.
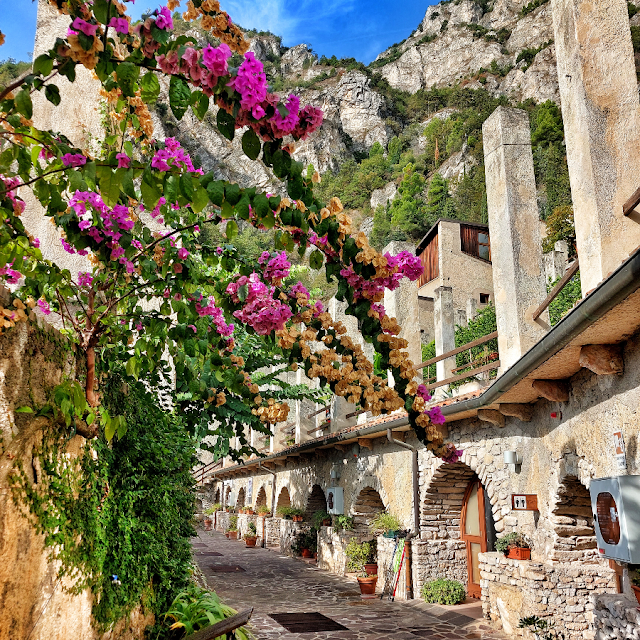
(331, 546)
(616, 617)
(564, 592)
(272, 531)
(386, 574)
(288, 531)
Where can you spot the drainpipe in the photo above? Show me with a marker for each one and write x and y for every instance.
(273, 502)
(416, 511)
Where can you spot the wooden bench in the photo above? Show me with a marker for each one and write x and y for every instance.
(224, 628)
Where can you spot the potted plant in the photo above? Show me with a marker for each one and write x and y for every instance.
(297, 515)
(251, 536)
(386, 524)
(305, 542)
(634, 577)
(284, 512)
(358, 554)
(321, 519)
(443, 591)
(263, 510)
(249, 511)
(208, 520)
(515, 546)
(232, 529)
(343, 523)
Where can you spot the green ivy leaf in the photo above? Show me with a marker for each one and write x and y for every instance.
(149, 88)
(23, 104)
(251, 144)
(316, 259)
(52, 94)
(179, 96)
(226, 124)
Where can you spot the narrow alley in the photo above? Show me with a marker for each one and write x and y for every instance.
(275, 584)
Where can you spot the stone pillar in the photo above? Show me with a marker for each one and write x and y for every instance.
(461, 318)
(556, 262)
(402, 304)
(443, 320)
(601, 113)
(516, 248)
(472, 309)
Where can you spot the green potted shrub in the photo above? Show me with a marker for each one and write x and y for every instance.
(386, 524)
(343, 523)
(359, 554)
(514, 545)
(263, 510)
(443, 591)
(296, 514)
(232, 529)
(305, 542)
(208, 520)
(284, 512)
(321, 519)
(251, 536)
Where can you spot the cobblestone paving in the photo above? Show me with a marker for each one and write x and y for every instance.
(272, 583)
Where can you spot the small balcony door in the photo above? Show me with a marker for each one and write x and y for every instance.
(473, 529)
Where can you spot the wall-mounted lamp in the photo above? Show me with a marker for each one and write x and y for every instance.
(513, 459)
(335, 473)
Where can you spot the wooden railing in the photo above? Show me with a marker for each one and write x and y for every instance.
(200, 473)
(631, 203)
(226, 628)
(571, 271)
(457, 350)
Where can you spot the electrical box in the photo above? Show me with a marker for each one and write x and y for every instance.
(335, 500)
(615, 503)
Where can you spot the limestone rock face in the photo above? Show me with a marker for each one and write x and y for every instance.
(297, 59)
(265, 47)
(384, 195)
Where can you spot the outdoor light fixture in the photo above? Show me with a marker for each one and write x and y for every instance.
(335, 473)
(513, 459)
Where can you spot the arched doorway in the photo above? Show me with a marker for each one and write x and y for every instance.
(317, 502)
(240, 499)
(284, 499)
(473, 532)
(261, 498)
(216, 499)
(367, 505)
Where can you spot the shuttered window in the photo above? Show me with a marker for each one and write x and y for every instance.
(429, 259)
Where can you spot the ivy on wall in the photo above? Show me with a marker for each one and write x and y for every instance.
(122, 508)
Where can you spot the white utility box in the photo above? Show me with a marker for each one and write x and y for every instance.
(615, 503)
(335, 500)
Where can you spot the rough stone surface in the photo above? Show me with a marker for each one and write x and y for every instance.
(380, 197)
(444, 329)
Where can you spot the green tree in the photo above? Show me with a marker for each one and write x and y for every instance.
(437, 196)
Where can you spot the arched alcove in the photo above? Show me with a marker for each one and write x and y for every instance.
(572, 521)
(240, 499)
(216, 499)
(284, 499)
(367, 505)
(261, 498)
(227, 493)
(317, 501)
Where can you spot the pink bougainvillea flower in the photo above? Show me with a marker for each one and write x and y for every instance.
(43, 305)
(35, 243)
(124, 161)
(435, 415)
(164, 20)
(121, 25)
(85, 279)
(73, 160)
(86, 27)
(193, 326)
(215, 59)
(182, 253)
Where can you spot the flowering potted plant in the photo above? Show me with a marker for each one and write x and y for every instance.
(263, 510)
(232, 529)
(515, 546)
(251, 536)
(296, 514)
(359, 555)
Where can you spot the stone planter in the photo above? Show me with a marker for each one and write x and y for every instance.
(367, 586)
(636, 591)
(250, 541)
(519, 554)
(371, 569)
(306, 553)
(233, 535)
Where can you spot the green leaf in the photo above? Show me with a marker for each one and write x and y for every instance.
(216, 192)
(23, 104)
(149, 88)
(202, 106)
(232, 193)
(243, 291)
(179, 96)
(232, 230)
(24, 410)
(101, 10)
(261, 205)
(269, 221)
(43, 65)
(109, 429)
(316, 259)
(150, 195)
(110, 182)
(52, 94)
(226, 124)
(127, 74)
(200, 199)
(133, 367)
(186, 186)
(251, 144)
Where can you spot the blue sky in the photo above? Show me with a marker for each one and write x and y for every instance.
(346, 28)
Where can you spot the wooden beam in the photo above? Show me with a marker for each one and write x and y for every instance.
(523, 412)
(468, 374)
(366, 443)
(571, 271)
(307, 455)
(453, 352)
(603, 359)
(223, 627)
(340, 447)
(631, 203)
(492, 416)
(552, 390)
(280, 463)
(353, 414)
(318, 412)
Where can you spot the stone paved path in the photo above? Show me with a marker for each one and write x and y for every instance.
(272, 583)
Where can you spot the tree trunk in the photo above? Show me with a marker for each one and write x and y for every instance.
(92, 397)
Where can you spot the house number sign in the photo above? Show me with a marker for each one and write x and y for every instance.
(524, 502)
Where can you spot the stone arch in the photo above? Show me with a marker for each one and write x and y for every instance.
(284, 499)
(240, 500)
(572, 521)
(317, 501)
(368, 481)
(261, 498)
(364, 509)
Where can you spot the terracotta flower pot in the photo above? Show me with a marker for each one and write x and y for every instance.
(306, 553)
(371, 568)
(250, 541)
(226, 534)
(519, 554)
(208, 522)
(233, 535)
(326, 522)
(368, 585)
(636, 590)
(249, 512)
(297, 518)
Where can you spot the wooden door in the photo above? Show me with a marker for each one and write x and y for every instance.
(474, 533)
